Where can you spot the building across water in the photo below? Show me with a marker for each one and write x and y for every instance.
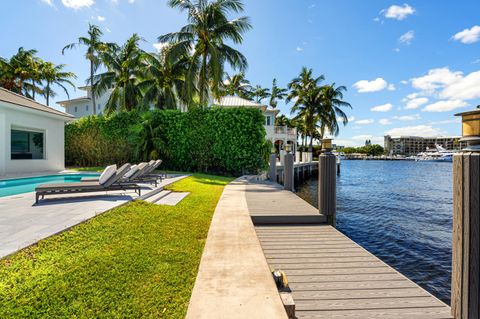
(412, 145)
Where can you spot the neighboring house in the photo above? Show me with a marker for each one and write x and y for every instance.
(83, 106)
(31, 135)
(413, 145)
(278, 135)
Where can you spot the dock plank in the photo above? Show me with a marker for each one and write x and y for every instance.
(330, 275)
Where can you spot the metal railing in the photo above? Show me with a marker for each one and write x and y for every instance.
(285, 130)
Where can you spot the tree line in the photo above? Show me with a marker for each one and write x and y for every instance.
(188, 72)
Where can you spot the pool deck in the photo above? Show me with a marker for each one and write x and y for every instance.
(23, 223)
(329, 275)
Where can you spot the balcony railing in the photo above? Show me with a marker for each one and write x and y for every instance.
(285, 130)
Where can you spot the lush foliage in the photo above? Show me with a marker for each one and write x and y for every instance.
(136, 261)
(371, 149)
(25, 73)
(226, 141)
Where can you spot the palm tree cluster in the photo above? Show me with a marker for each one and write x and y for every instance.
(27, 74)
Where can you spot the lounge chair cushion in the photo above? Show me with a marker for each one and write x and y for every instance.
(107, 174)
(132, 171)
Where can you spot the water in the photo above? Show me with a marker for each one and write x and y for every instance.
(400, 211)
(25, 185)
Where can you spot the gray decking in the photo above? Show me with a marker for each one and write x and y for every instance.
(330, 275)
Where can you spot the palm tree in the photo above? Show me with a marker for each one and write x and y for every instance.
(54, 75)
(259, 93)
(18, 70)
(277, 94)
(331, 108)
(95, 47)
(282, 120)
(236, 85)
(164, 83)
(125, 67)
(203, 38)
(306, 93)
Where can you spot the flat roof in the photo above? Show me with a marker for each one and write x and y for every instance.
(22, 101)
(82, 98)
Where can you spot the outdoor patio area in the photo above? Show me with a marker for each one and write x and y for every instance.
(23, 223)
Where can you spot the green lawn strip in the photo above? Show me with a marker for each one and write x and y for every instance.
(136, 261)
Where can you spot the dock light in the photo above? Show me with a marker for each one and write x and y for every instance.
(327, 145)
(471, 129)
(287, 148)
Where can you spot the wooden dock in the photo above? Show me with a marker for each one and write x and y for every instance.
(330, 275)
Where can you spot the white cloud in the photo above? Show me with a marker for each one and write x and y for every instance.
(384, 121)
(100, 18)
(372, 138)
(468, 36)
(108, 30)
(404, 82)
(407, 38)
(299, 49)
(376, 85)
(77, 4)
(476, 61)
(49, 2)
(160, 45)
(382, 108)
(418, 130)
(465, 88)
(412, 101)
(436, 78)
(398, 12)
(364, 122)
(413, 117)
(445, 106)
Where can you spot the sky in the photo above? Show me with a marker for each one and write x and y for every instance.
(408, 66)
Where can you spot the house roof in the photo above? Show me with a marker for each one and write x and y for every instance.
(22, 101)
(82, 98)
(235, 101)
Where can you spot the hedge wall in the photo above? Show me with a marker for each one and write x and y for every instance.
(222, 141)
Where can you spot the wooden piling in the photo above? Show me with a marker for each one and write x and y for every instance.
(466, 236)
(272, 171)
(288, 171)
(327, 190)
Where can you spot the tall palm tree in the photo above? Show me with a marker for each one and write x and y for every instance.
(203, 38)
(16, 72)
(95, 47)
(331, 108)
(125, 68)
(282, 120)
(236, 84)
(54, 75)
(8, 79)
(276, 94)
(164, 82)
(259, 93)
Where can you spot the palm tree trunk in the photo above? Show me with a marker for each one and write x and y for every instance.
(92, 87)
(33, 89)
(48, 93)
(203, 79)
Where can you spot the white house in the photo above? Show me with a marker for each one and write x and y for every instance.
(31, 135)
(278, 135)
(83, 106)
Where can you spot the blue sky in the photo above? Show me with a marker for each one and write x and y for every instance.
(408, 66)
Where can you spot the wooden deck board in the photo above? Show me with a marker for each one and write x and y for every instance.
(330, 275)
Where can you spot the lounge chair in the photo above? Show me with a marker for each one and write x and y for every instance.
(108, 181)
(136, 174)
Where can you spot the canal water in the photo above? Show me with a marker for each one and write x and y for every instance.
(401, 211)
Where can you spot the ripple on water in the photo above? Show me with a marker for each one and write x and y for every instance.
(401, 211)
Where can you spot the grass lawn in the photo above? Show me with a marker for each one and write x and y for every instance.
(136, 261)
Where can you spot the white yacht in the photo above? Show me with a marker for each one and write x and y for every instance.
(438, 154)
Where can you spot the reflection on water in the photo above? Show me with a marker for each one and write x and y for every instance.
(401, 211)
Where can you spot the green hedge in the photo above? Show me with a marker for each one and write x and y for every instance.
(222, 141)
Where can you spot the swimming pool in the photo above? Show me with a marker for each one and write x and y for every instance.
(24, 185)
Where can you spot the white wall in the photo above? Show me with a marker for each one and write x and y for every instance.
(54, 147)
(82, 106)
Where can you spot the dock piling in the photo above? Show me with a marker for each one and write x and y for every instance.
(288, 172)
(466, 236)
(272, 170)
(327, 193)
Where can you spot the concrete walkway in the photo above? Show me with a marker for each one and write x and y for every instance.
(22, 223)
(234, 280)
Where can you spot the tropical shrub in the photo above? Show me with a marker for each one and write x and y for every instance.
(218, 140)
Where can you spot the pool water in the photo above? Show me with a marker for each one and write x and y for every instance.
(24, 185)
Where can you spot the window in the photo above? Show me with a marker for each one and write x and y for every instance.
(87, 107)
(27, 145)
(98, 106)
(268, 121)
(76, 109)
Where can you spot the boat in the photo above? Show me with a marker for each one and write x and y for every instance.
(438, 154)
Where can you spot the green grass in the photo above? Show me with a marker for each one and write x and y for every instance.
(136, 261)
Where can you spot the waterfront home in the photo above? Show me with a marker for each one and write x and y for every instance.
(83, 105)
(31, 135)
(278, 135)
